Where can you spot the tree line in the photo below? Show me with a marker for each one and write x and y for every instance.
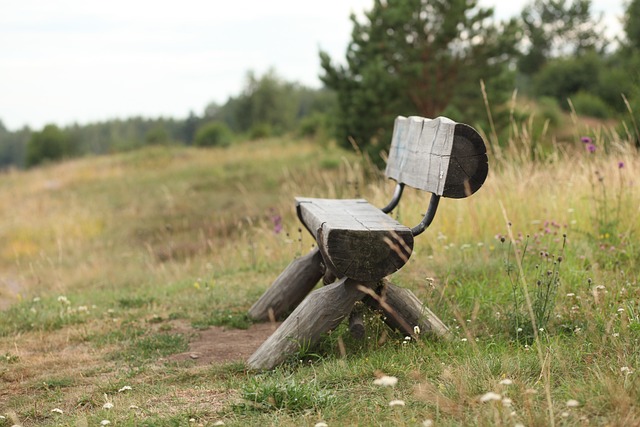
(409, 57)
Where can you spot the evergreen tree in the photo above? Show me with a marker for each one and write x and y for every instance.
(422, 57)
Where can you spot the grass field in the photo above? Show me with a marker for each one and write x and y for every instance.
(110, 265)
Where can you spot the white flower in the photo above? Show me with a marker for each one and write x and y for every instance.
(386, 381)
(626, 370)
(571, 294)
(125, 388)
(488, 397)
(564, 414)
(57, 410)
(105, 422)
(321, 424)
(427, 423)
(506, 402)
(396, 402)
(133, 407)
(506, 381)
(416, 330)
(107, 405)
(218, 423)
(62, 299)
(572, 403)
(463, 340)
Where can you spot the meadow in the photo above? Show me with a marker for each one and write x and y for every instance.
(110, 265)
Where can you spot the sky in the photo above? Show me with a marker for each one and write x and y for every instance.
(82, 61)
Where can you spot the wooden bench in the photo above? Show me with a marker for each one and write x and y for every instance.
(359, 245)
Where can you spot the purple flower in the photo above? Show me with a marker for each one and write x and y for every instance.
(620, 165)
(586, 140)
(591, 148)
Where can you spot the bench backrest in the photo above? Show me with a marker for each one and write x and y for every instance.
(437, 155)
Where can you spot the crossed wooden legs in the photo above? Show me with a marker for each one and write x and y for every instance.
(323, 309)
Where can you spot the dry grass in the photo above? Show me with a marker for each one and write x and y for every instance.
(137, 240)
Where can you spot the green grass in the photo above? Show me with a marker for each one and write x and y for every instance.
(116, 263)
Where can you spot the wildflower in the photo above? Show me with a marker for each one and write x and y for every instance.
(571, 294)
(57, 410)
(107, 405)
(620, 165)
(416, 330)
(396, 402)
(321, 424)
(386, 381)
(572, 403)
(463, 340)
(506, 381)
(63, 300)
(488, 397)
(591, 148)
(105, 422)
(586, 140)
(125, 388)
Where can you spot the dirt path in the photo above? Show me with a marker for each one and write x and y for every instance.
(221, 345)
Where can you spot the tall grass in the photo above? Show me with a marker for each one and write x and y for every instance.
(111, 264)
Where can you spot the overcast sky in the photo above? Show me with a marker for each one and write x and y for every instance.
(82, 61)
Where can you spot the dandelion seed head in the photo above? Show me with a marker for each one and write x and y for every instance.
(572, 403)
(386, 381)
(490, 396)
(396, 402)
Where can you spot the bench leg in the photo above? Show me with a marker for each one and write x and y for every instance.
(321, 311)
(290, 288)
(404, 311)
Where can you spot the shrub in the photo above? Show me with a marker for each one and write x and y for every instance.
(213, 134)
(588, 104)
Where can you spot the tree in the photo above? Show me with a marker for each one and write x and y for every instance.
(556, 28)
(632, 24)
(50, 144)
(416, 57)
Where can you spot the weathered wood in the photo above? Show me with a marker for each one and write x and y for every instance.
(404, 311)
(357, 240)
(356, 322)
(321, 311)
(437, 155)
(290, 288)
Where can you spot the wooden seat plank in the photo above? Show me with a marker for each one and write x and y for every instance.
(356, 239)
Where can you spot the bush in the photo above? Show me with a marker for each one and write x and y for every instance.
(48, 145)
(588, 104)
(213, 134)
(260, 131)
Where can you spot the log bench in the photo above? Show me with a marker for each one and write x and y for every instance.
(360, 245)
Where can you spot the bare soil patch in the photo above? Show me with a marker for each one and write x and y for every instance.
(224, 345)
